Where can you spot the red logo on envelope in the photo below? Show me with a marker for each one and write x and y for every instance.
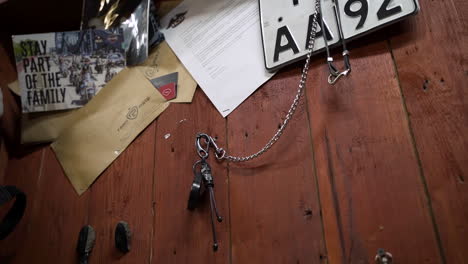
(167, 85)
(168, 91)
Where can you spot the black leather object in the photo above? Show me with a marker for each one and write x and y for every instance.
(123, 237)
(13, 217)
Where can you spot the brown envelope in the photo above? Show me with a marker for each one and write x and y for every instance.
(104, 128)
(46, 127)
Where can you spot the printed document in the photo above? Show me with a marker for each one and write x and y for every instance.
(219, 42)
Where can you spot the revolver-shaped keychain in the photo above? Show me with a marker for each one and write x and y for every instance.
(203, 180)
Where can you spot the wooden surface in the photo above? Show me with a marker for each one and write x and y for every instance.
(379, 160)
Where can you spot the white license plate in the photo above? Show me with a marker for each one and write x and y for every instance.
(286, 23)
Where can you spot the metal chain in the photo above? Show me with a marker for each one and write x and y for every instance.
(221, 154)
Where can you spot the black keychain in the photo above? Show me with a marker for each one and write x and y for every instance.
(14, 215)
(203, 180)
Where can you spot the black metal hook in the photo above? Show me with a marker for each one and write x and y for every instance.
(336, 74)
(203, 152)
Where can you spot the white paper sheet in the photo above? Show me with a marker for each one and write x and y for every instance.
(219, 42)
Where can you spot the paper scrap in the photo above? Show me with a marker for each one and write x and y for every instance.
(14, 87)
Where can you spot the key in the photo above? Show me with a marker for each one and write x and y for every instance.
(209, 184)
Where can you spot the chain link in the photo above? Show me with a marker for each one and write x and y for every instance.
(221, 154)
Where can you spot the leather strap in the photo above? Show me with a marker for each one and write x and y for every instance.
(12, 218)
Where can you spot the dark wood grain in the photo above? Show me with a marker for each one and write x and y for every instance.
(39, 17)
(3, 161)
(371, 190)
(275, 213)
(124, 193)
(182, 236)
(22, 173)
(56, 214)
(7, 69)
(432, 64)
(9, 122)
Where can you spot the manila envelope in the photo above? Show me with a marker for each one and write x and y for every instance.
(103, 128)
(46, 127)
(41, 127)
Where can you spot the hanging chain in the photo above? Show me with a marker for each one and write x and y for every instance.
(221, 153)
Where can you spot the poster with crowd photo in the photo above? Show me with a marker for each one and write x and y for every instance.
(64, 70)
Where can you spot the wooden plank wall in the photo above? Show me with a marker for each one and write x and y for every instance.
(377, 161)
(182, 236)
(124, 193)
(366, 166)
(9, 122)
(433, 81)
(275, 211)
(24, 173)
